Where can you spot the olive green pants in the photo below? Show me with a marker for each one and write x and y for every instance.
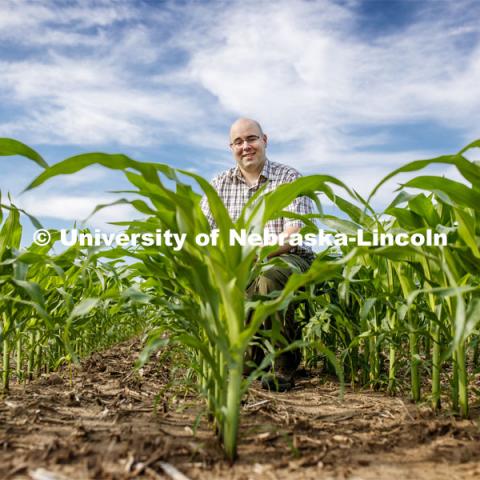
(270, 281)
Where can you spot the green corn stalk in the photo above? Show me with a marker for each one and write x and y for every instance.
(202, 289)
(213, 278)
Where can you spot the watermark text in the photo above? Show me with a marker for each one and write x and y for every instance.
(177, 241)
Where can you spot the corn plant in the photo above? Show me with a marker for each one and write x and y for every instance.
(205, 286)
(56, 308)
(373, 306)
(424, 297)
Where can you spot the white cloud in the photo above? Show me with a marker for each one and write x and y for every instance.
(305, 80)
(88, 102)
(473, 154)
(74, 208)
(32, 22)
(300, 67)
(89, 176)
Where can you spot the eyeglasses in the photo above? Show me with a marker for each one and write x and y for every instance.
(238, 142)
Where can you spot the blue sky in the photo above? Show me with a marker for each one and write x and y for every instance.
(352, 88)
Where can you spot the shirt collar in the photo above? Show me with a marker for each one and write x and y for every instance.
(266, 172)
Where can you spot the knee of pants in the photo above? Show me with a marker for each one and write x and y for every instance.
(265, 284)
(271, 280)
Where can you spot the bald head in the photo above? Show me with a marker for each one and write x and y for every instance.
(242, 123)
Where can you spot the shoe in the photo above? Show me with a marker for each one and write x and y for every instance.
(280, 381)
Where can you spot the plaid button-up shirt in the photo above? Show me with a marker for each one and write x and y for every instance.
(235, 193)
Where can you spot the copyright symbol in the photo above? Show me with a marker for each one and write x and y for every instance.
(41, 237)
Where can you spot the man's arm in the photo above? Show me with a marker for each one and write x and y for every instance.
(301, 205)
(289, 230)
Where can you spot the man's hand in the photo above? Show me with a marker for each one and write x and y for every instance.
(287, 247)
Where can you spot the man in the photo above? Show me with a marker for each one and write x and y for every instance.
(235, 187)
